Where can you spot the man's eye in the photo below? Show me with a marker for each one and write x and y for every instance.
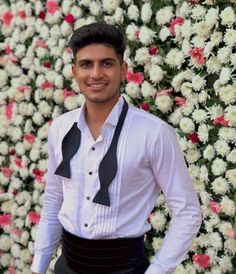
(108, 64)
(84, 65)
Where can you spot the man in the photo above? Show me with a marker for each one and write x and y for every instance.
(107, 164)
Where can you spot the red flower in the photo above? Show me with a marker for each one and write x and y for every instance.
(22, 14)
(29, 138)
(69, 18)
(38, 175)
(42, 15)
(194, 1)
(8, 110)
(5, 219)
(137, 33)
(41, 43)
(153, 50)
(136, 77)
(215, 207)
(7, 17)
(46, 85)
(145, 106)
(180, 101)
(47, 64)
(34, 217)
(193, 137)
(8, 49)
(12, 269)
(231, 233)
(69, 50)
(164, 92)
(67, 93)
(24, 88)
(220, 121)
(52, 6)
(197, 53)
(17, 232)
(174, 22)
(18, 162)
(202, 260)
(6, 171)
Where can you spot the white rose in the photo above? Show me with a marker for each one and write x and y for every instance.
(218, 166)
(132, 89)
(187, 125)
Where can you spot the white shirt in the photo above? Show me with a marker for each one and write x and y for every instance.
(149, 160)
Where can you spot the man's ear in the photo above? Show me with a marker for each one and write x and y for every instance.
(124, 69)
(73, 69)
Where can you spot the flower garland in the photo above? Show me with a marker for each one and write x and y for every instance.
(182, 68)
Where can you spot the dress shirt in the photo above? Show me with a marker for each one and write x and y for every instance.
(149, 160)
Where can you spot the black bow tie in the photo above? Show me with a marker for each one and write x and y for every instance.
(108, 166)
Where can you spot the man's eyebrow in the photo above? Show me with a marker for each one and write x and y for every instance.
(102, 60)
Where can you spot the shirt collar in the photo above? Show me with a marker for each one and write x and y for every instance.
(112, 118)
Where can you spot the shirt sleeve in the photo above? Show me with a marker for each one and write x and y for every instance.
(49, 229)
(171, 174)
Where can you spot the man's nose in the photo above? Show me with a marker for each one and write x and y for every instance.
(96, 72)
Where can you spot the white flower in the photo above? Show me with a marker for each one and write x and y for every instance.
(146, 12)
(192, 155)
(233, 59)
(230, 115)
(222, 148)
(146, 35)
(216, 38)
(164, 33)
(156, 74)
(175, 58)
(203, 133)
(147, 90)
(132, 89)
(164, 103)
(186, 89)
(164, 15)
(142, 56)
(133, 12)
(157, 243)
(198, 12)
(187, 125)
(213, 65)
(175, 116)
(119, 16)
(44, 108)
(223, 54)
(225, 75)
(3, 78)
(225, 264)
(231, 176)
(227, 16)
(95, 8)
(5, 243)
(227, 94)
(220, 185)
(131, 32)
(202, 29)
(199, 115)
(193, 171)
(212, 16)
(230, 37)
(71, 102)
(198, 82)
(215, 111)
(203, 176)
(5, 260)
(231, 157)
(110, 5)
(218, 166)
(158, 221)
(228, 206)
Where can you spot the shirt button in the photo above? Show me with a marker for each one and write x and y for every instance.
(88, 198)
(93, 148)
(90, 172)
(85, 225)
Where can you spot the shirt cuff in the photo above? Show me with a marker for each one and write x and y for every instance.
(40, 263)
(155, 269)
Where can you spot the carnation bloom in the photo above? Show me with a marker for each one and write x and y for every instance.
(197, 54)
(7, 17)
(69, 18)
(8, 110)
(194, 137)
(136, 77)
(180, 101)
(29, 138)
(52, 6)
(145, 106)
(67, 93)
(6, 171)
(153, 50)
(220, 121)
(46, 85)
(214, 207)
(41, 43)
(12, 269)
(5, 219)
(34, 217)
(201, 260)
(175, 21)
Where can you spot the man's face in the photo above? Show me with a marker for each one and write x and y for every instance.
(98, 72)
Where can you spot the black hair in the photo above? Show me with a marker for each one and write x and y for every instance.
(98, 33)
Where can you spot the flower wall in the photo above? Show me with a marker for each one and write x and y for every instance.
(182, 68)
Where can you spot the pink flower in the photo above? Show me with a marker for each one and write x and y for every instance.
(12, 269)
(30, 138)
(137, 34)
(174, 22)
(145, 106)
(220, 121)
(69, 50)
(153, 50)
(47, 64)
(24, 88)
(197, 54)
(41, 43)
(231, 233)
(18, 162)
(69, 18)
(215, 207)
(38, 175)
(164, 92)
(8, 49)
(16, 231)
(180, 101)
(67, 93)
(201, 260)
(7, 17)
(194, 1)
(34, 217)
(22, 14)
(46, 85)
(42, 15)
(136, 77)
(8, 110)
(194, 137)
(6, 171)
(52, 6)
(5, 219)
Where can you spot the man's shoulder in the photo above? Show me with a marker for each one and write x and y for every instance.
(67, 117)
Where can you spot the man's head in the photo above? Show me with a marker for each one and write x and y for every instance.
(98, 33)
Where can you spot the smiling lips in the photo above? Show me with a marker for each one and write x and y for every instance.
(97, 86)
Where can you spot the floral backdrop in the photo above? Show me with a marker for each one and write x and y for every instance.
(182, 68)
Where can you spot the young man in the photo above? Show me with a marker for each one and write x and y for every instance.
(107, 164)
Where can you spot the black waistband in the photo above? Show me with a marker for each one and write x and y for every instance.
(102, 256)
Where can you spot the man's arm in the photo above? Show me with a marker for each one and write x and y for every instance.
(172, 176)
(49, 229)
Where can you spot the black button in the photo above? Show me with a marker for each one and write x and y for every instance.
(85, 225)
(88, 198)
(90, 172)
(93, 148)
